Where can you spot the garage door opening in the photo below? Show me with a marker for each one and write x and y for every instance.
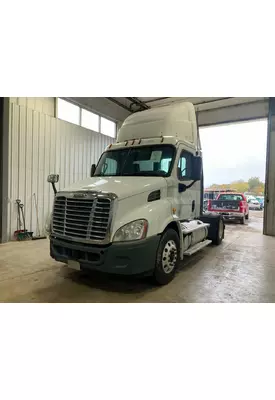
(1, 156)
(235, 159)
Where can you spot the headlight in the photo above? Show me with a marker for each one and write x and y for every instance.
(135, 230)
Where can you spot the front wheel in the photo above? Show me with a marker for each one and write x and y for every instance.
(247, 216)
(167, 259)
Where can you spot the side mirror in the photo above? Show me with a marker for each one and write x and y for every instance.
(196, 168)
(182, 187)
(93, 168)
(53, 178)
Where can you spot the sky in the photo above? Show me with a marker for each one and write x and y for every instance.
(234, 151)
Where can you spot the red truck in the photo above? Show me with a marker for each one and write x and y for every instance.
(230, 206)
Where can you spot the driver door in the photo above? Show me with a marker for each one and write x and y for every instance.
(187, 199)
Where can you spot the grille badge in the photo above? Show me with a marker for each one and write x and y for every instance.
(80, 195)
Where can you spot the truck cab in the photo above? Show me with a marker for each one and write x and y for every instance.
(140, 212)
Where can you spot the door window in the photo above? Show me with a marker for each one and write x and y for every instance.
(184, 166)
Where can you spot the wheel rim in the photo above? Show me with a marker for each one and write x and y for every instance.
(220, 229)
(169, 256)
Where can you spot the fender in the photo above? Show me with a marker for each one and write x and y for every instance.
(158, 214)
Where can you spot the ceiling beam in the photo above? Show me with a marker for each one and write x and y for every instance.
(119, 104)
(142, 103)
(138, 102)
(212, 101)
(156, 99)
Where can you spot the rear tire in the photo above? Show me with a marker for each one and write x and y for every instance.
(167, 259)
(219, 234)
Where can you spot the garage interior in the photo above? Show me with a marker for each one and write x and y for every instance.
(34, 142)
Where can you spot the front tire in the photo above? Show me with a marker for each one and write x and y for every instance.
(167, 259)
(247, 216)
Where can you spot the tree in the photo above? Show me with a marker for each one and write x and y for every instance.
(259, 190)
(254, 186)
(214, 186)
(253, 183)
(240, 186)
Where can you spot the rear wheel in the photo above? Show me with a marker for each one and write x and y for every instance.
(167, 259)
(219, 233)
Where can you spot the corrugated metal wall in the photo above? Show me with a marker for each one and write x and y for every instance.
(46, 105)
(40, 145)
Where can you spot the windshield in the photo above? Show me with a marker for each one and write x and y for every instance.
(137, 161)
(230, 197)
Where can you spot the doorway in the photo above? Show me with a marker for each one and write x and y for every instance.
(1, 162)
(235, 159)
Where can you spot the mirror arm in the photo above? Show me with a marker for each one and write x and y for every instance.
(191, 184)
(54, 187)
(185, 187)
(93, 168)
(188, 186)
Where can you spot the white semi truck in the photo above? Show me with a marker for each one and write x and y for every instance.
(141, 211)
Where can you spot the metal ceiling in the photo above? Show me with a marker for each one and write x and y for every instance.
(133, 104)
(210, 110)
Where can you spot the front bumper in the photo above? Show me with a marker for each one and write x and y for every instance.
(128, 258)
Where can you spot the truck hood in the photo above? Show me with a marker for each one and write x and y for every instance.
(122, 186)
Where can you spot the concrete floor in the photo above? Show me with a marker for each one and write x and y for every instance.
(242, 269)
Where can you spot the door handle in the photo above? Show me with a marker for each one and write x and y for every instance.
(193, 205)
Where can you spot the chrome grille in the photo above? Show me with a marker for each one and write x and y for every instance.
(83, 219)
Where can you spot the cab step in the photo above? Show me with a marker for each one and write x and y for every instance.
(197, 247)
